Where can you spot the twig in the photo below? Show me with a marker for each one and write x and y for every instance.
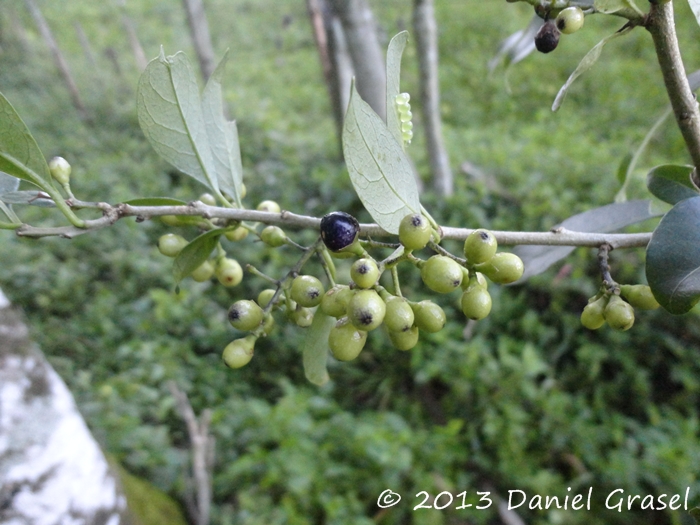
(112, 213)
(202, 453)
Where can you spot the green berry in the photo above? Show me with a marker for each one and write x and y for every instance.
(238, 353)
(345, 341)
(619, 314)
(266, 296)
(480, 246)
(204, 272)
(399, 314)
(639, 296)
(335, 301)
(592, 316)
(268, 324)
(404, 340)
(441, 274)
(307, 291)
(366, 310)
(208, 199)
(229, 272)
(406, 127)
(414, 231)
(170, 244)
(570, 20)
(238, 234)
(429, 317)
(269, 206)
(405, 116)
(503, 268)
(60, 170)
(476, 302)
(273, 236)
(364, 273)
(245, 315)
(303, 317)
(407, 136)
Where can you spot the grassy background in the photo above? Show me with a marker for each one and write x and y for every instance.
(528, 400)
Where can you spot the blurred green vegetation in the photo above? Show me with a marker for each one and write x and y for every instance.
(527, 399)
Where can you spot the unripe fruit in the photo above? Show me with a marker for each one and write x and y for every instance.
(592, 315)
(335, 301)
(570, 20)
(204, 272)
(266, 296)
(268, 324)
(547, 38)
(170, 244)
(345, 341)
(476, 302)
(229, 272)
(405, 116)
(238, 353)
(404, 340)
(366, 310)
(303, 317)
(639, 296)
(238, 234)
(208, 199)
(429, 317)
(399, 314)
(402, 99)
(414, 231)
(619, 314)
(441, 274)
(269, 206)
(480, 246)
(243, 191)
(339, 230)
(503, 268)
(273, 236)
(364, 273)
(245, 315)
(307, 291)
(60, 170)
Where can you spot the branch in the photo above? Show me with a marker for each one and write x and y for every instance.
(661, 25)
(286, 219)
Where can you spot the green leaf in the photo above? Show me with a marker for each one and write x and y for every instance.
(605, 219)
(393, 80)
(20, 155)
(195, 253)
(316, 348)
(673, 258)
(170, 115)
(33, 197)
(671, 183)
(613, 6)
(155, 201)
(8, 183)
(223, 136)
(379, 169)
(591, 58)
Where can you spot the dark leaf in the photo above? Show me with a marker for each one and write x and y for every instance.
(671, 183)
(194, 254)
(673, 258)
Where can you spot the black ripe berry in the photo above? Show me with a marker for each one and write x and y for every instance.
(547, 38)
(339, 230)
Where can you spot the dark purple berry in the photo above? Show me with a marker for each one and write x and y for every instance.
(339, 230)
(547, 38)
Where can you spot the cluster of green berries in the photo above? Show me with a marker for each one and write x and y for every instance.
(404, 108)
(617, 310)
(567, 21)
